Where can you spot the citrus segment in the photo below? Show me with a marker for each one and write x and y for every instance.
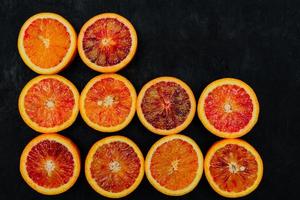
(174, 165)
(107, 42)
(47, 43)
(228, 108)
(166, 105)
(114, 166)
(49, 103)
(50, 164)
(107, 103)
(233, 168)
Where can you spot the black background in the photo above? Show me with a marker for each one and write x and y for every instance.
(196, 41)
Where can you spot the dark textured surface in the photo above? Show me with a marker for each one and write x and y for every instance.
(196, 41)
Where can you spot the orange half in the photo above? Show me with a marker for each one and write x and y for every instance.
(49, 103)
(114, 166)
(47, 43)
(50, 164)
(174, 165)
(108, 102)
(228, 108)
(233, 168)
(107, 42)
(166, 105)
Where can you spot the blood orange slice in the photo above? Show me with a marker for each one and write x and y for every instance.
(166, 105)
(233, 168)
(50, 164)
(108, 102)
(114, 166)
(49, 103)
(107, 42)
(174, 165)
(47, 43)
(228, 108)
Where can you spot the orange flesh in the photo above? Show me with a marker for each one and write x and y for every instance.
(107, 42)
(115, 166)
(233, 168)
(174, 164)
(46, 42)
(228, 108)
(108, 102)
(166, 105)
(49, 103)
(50, 164)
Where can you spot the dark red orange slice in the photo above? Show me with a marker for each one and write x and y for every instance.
(166, 105)
(107, 42)
(50, 164)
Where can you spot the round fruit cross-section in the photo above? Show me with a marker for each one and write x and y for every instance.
(166, 105)
(49, 103)
(174, 165)
(108, 102)
(228, 108)
(107, 42)
(47, 43)
(233, 168)
(114, 166)
(50, 164)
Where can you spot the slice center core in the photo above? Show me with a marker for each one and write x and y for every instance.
(174, 166)
(227, 108)
(114, 166)
(234, 168)
(45, 41)
(49, 167)
(50, 104)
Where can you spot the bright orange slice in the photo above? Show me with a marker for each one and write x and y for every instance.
(233, 168)
(49, 103)
(47, 43)
(50, 164)
(114, 166)
(108, 102)
(107, 42)
(228, 108)
(174, 165)
(166, 105)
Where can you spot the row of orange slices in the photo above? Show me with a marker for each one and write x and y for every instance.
(114, 166)
(166, 105)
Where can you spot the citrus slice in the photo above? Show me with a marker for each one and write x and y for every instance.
(174, 165)
(228, 108)
(233, 168)
(108, 102)
(49, 103)
(50, 164)
(166, 105)
(114, 166)
(107, 42)
(47, 43)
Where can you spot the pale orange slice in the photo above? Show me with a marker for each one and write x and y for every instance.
(47, 43)
(107, 42)
(50, 164)
(228, 108)
(108, 102)
(233, 168)
(114, 166)
(166, 105)
(49, 103)
(174, 165)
